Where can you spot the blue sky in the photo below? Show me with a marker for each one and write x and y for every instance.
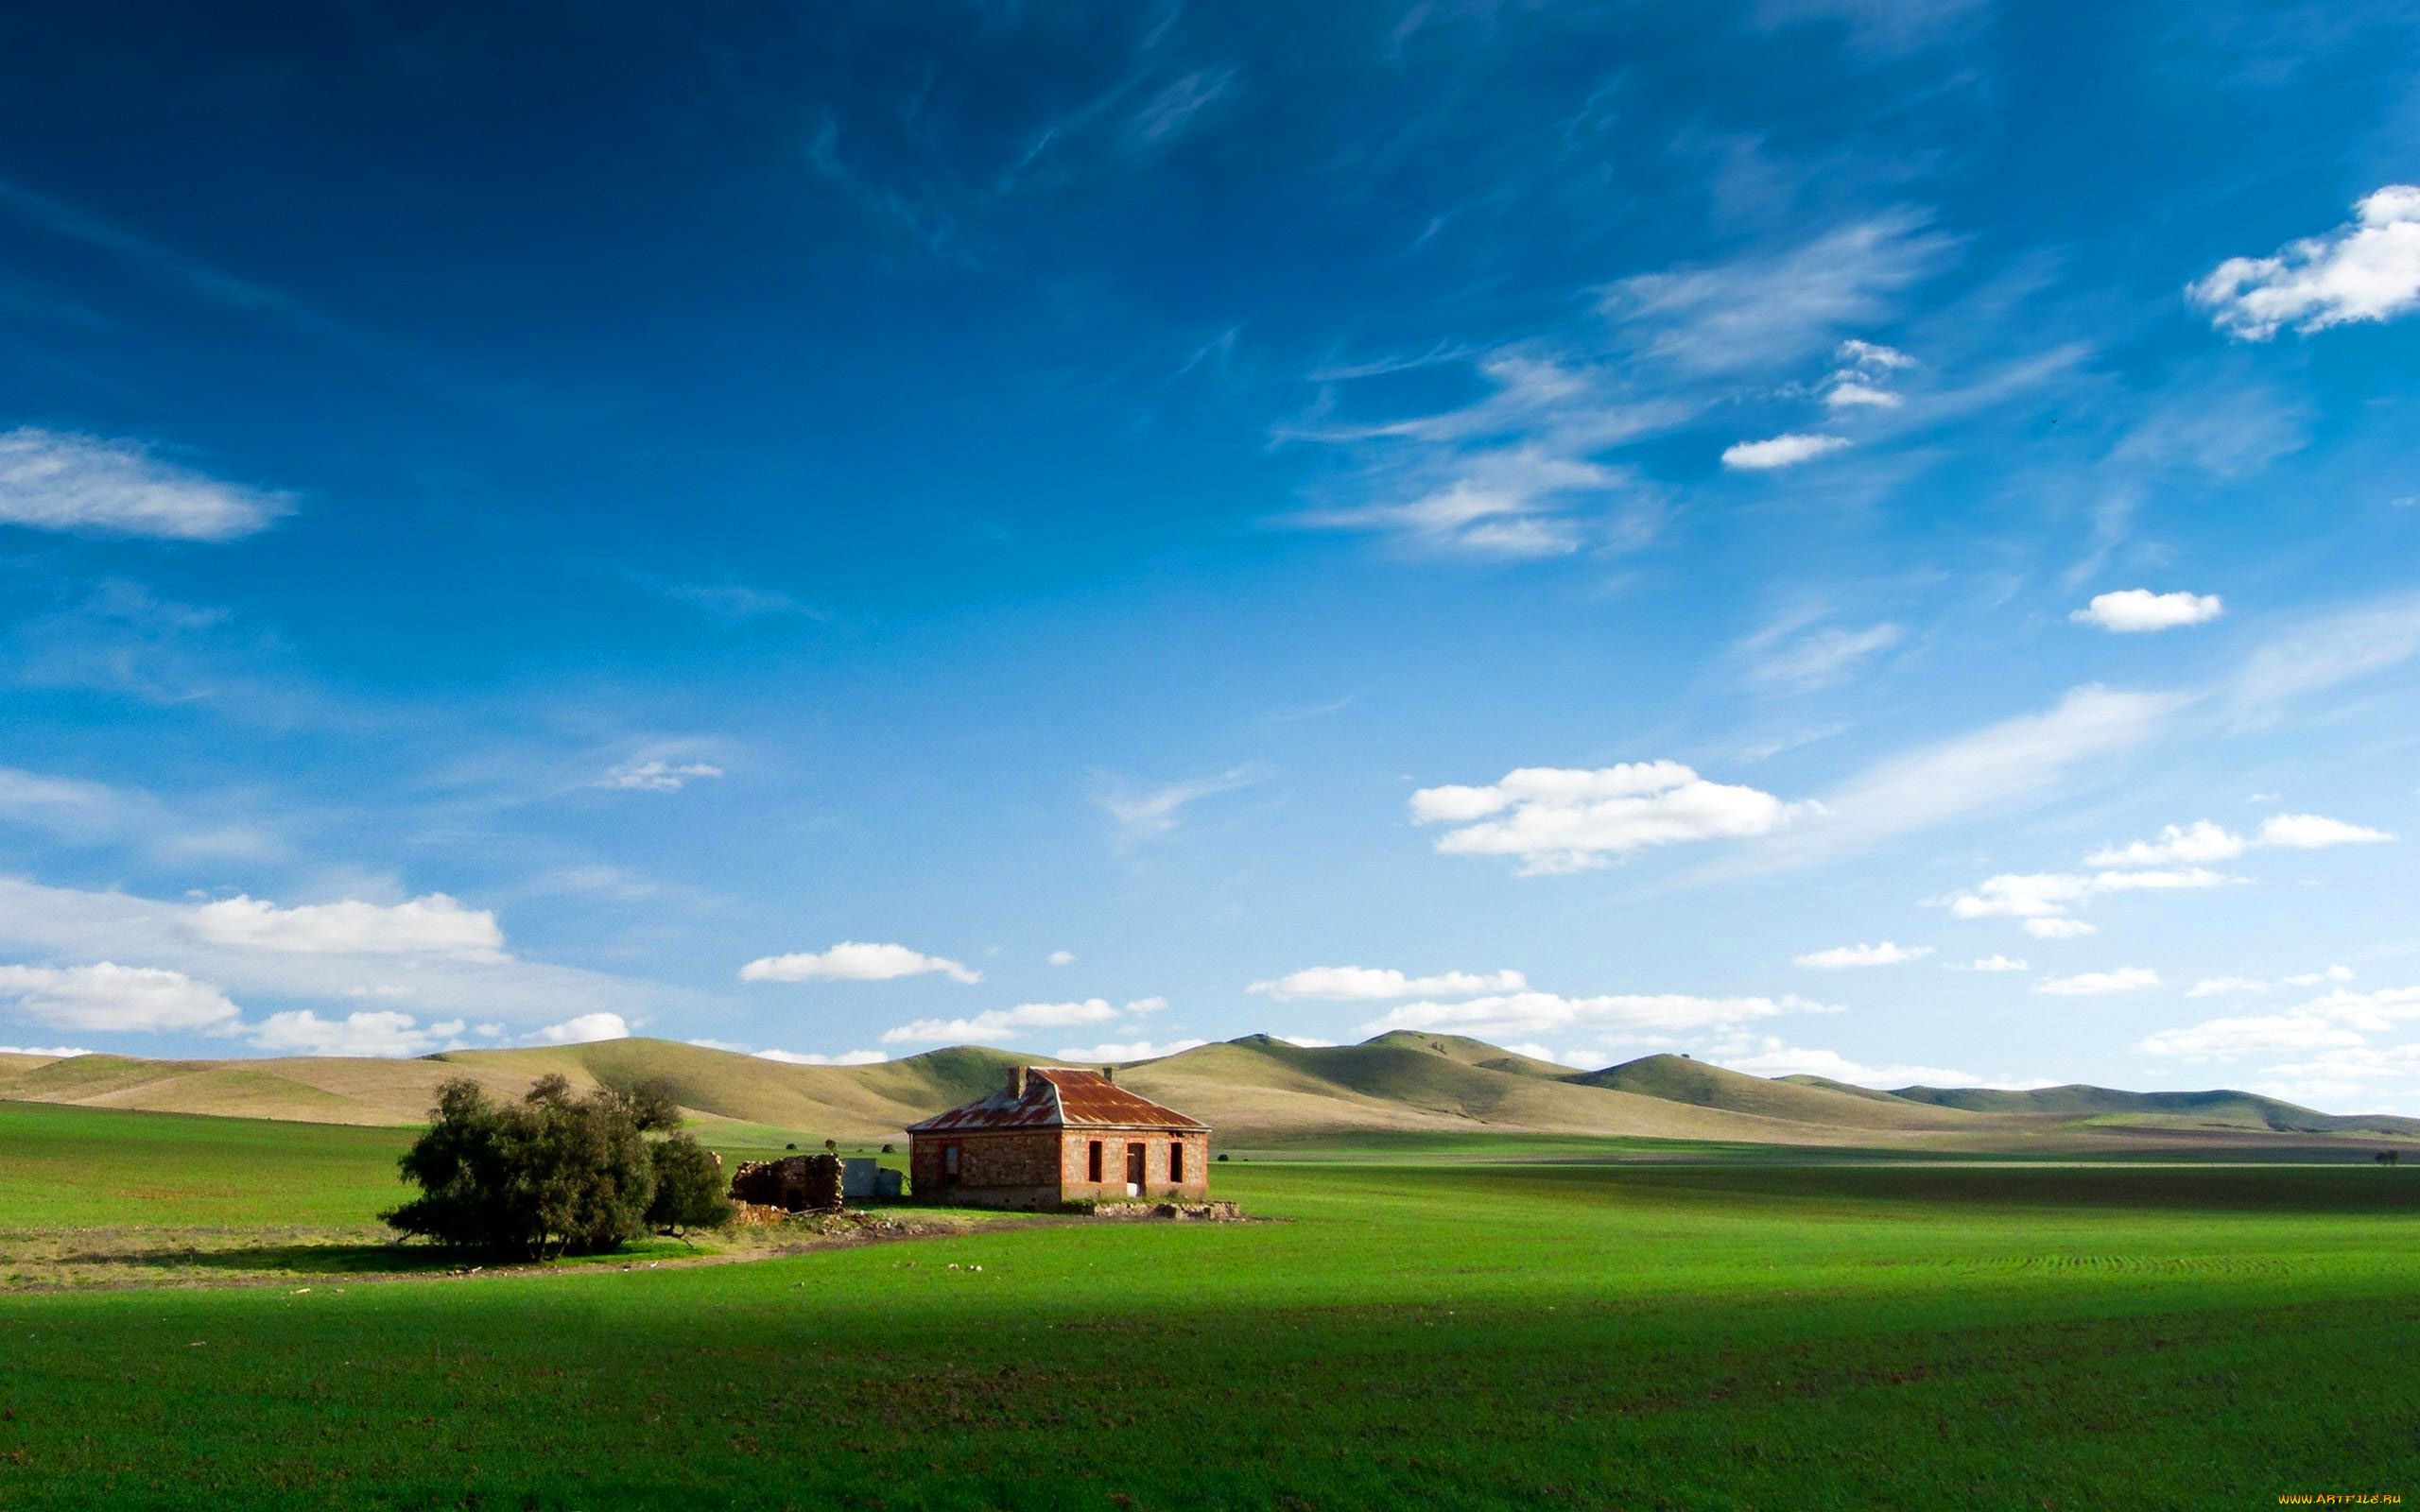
(1833, 536)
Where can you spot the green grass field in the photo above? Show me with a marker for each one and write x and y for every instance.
(1693, 1336)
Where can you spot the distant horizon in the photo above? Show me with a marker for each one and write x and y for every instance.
(778, 1058)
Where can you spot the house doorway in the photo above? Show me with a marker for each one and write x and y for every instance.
(1133, 1170)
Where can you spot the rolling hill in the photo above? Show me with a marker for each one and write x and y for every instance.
(1258, 1092)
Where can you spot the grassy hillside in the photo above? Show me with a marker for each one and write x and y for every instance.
(1680, 1079)
(1257, 1092)
(2109, 1108)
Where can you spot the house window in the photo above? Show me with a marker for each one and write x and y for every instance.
(949, 1165)
(1176, 1159)
(1092, 1165)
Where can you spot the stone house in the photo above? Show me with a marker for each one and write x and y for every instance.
(1051, 1136)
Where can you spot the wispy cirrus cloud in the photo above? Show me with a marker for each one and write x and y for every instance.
(1523, 471)
(1148, 811)
(51, 480)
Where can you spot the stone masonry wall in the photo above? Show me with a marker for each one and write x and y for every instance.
(1044, 1167)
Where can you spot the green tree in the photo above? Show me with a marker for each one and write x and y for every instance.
(690, 1191)
(553, 1174)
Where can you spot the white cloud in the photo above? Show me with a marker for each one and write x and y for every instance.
(2216, 987)
(2368, 270)
(586, 1029)
(846, 1058)
(657, 776)
(2340, 1020)
(1367, 983)
(1778, 1059)
(2195, 843)
(63, 924)
(55, 1053)
(1548, 1013)
(1841, 957)
(1995, 963)
(2312, 832)
(1819, 659)
(2333, 973)
(107, 997)
(1001, 1020)
(434, 924)
(54, 481)
(2042, 899)
(855, 961)
(1148, 813)
(1131, 1050)
(1779, 450)
(2134, 611)
(1062, 958)
(2059, 928)
(1993, 769)
(1851, 394)
(385, 1033)
(1563, 819)
(2326, 652)
(1306, 1041)
(2100, 983)
(1142, 1006)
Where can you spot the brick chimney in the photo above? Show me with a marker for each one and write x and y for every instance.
(1109, 1072)
(1016, 1082)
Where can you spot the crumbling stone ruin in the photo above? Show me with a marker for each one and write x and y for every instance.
(797, 1183)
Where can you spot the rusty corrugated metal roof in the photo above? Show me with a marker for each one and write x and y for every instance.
(1058, 1098)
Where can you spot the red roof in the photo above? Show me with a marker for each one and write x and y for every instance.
(1058, 1098)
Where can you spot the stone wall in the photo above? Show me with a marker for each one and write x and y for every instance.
(1027, 1168)
(799, 1183)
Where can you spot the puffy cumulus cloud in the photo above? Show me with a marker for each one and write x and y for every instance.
(1778, 1059)
(2338, 1021)
(2042, 900)
(1369, 984)
(2193, 844)
(2219, 986)
(2333, 973)
(846, 1058)
(587, 1028)
(1839, 957)
(1993, 963)
(2312, 832)
(434, 924)
(56, 1053)
(107, 997)
(2059, 928)
(855, 961)
(1779, 450)
(1002, 1020)
(1306, 1041)
(2203, 841)
(2100, 983)
(2138, 610)
(1560, 820)
(657, 776)
(2368, 270)
(1858, 381)
(55, 481)
(1549, 1013)
(382, 1033)
(1131, 1050)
